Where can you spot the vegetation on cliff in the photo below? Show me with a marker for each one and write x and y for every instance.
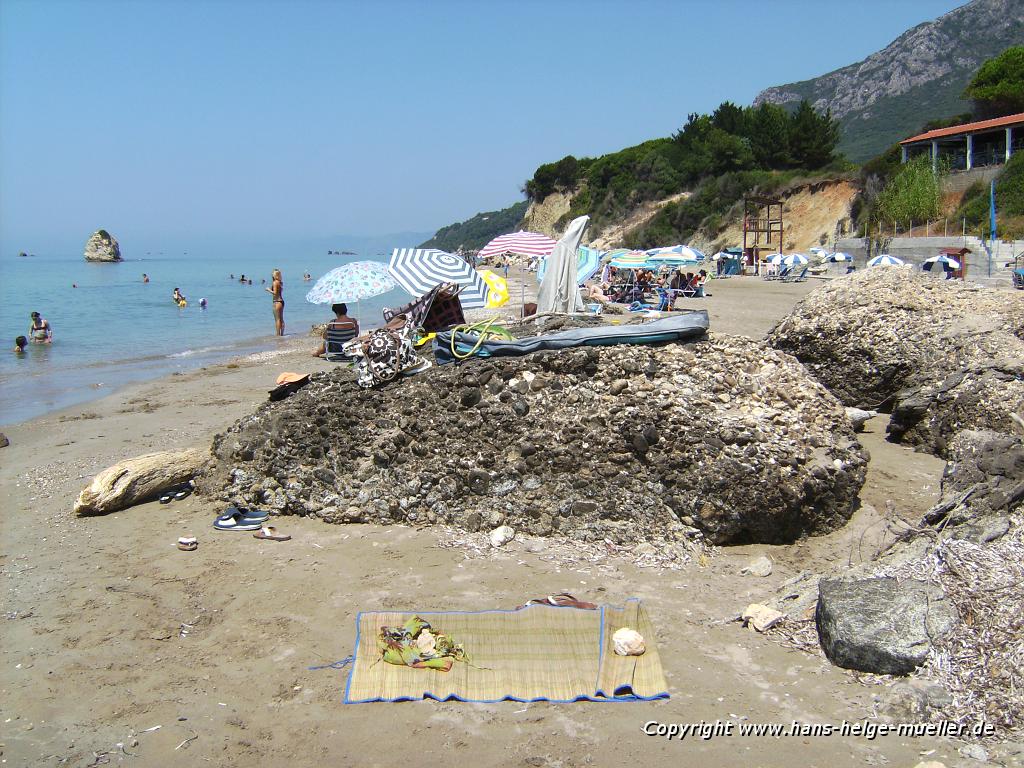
(1009, 203)
(474, 233)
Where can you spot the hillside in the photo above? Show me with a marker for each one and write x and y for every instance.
(474, 233)
(919, 76)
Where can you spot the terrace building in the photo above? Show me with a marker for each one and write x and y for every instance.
(970, 146)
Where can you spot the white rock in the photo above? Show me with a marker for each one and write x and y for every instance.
(762, 566)
(628, 642)
(761, 617)
(502, 535)
(974, 752)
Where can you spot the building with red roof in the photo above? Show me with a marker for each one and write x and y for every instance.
(971, 145)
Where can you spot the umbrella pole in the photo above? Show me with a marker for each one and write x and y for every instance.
(522, 291)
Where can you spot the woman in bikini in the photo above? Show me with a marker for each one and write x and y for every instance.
(274, 290)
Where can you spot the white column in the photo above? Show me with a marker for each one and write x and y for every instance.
(970, 151)
(935, 155)
(1009, 142)
(903, 152)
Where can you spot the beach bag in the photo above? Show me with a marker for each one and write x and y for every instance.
(384, 353)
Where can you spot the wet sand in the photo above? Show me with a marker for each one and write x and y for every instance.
(109, 630)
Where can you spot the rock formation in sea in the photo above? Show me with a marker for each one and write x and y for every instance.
(941, 355)
(102, 246)
(725, 437)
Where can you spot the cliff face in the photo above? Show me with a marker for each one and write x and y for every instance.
(918, 77)
(102, 246)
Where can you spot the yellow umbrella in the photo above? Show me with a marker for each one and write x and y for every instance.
(498, 293)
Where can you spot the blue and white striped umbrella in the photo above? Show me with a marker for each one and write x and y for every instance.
(947, 262)
(776, 259)
(676, 254)
(795, 259)
(418, 270)
(885, 260)
(588, 262)
(839, 257)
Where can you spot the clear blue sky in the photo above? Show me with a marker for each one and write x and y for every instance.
(226, 122)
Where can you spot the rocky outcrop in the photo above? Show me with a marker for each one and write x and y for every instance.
(102, 246)
(941, 355)
(881, 625)
(138, 480)
(890, 94)
(983, 483)
(726, 437)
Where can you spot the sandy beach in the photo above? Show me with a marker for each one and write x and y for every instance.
(121, 649)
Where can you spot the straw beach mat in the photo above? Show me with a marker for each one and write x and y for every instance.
(537, 653)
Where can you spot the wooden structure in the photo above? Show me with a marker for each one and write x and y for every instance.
(970, 145)
(762, 229)
(960, 254)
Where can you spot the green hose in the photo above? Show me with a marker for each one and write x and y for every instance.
(487, 329)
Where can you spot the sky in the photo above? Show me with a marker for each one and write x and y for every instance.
(230, 122)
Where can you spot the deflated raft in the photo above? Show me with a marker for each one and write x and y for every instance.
(685, 326)
(536, 653)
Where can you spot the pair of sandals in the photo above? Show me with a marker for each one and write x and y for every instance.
(177, 494)
(236, 519)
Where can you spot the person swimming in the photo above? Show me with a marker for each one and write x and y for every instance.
(178, 299)
(202, 303)
(145, 277)
(19, 345)
(39, 331)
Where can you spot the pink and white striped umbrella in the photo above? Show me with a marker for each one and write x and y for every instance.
(521, 243)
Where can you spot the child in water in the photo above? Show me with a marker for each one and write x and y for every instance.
(19, 345)
(178, 298)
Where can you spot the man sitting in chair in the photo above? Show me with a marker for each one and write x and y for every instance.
(338, 332)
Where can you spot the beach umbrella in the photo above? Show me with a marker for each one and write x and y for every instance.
(721, 255)
(795, 259)
(885, 260)
(776, 259)
(418, 270)
(632, 260)
(588, 262)
(839, 257)
(352, 282)
(676, 255)
(521, 243)
(947, 262)
(498, 293)
(613, 254)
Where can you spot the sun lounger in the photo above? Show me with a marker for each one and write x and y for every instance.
(791, 278)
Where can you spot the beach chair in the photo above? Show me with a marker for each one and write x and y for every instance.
(666, 298)
(334, 341)
(791, 278)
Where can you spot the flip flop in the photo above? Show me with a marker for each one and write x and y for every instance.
(249, 515)
(183, 494)
(270, 533)
(165, 499)
(236, 523)
(188, 543)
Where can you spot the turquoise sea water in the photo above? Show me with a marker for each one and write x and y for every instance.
(113, 329)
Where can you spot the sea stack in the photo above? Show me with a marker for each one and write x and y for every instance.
(102, 246)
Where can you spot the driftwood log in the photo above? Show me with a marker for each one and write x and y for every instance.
(137, 480)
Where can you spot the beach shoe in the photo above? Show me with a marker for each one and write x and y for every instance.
(183, 494)
(269, 533)
(237, 522)
(165, 499)
(188, 543)
(250, 515)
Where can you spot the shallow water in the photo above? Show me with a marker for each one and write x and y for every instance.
(113, 329)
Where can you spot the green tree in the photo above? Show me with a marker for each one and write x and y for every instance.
(730, 118)
(912, 194)
(998, 87)
(769, 135)
(812, 137)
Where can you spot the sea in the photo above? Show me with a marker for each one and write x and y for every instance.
(110, 329)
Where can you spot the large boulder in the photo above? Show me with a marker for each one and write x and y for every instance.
(102, 246)
(940, 354)
(986, 394)
(137, 480)
(881, 625)
(623, 443)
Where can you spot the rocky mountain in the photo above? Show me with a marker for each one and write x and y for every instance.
(476, 232)
(102, 246)
(916, 78)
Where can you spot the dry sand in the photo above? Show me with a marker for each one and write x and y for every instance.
(109, 630)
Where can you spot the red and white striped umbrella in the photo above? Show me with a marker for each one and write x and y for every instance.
(521, 243)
